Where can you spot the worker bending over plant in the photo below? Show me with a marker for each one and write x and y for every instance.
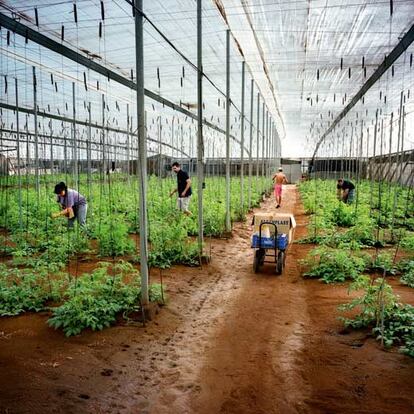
(183, 189)
(279, 179)
(73, 205)
(345, 191)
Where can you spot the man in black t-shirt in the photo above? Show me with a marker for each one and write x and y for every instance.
(346, 191)
(183, 189)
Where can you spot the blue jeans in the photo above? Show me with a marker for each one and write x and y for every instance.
(80, 215)
(351, 197)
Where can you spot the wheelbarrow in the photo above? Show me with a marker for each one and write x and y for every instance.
(272, 248)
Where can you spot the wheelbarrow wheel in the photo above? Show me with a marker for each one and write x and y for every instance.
(258, 260)
(280, 262)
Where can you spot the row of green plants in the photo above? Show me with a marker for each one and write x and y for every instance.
(113, 220)
(381, 214)
(38, 249)
(91, 301)
(335, 265)
(359, 243)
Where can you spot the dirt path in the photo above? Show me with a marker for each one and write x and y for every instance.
(229, 341)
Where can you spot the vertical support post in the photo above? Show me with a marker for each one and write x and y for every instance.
(19, 177)
(103, 139)
(52, 158)
(200, 138)
(228, 218)
(128, 148)
(263, 141)
(267, 147)
(271, 149)
(158, 172)
(251, 142)
(257, 140)
(142, 148)
(89, 150)
(242, 139)
(74, 143)
(36, 132)
(388, 173)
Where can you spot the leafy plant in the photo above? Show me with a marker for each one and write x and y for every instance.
(343, 215)
(368, 304)
(391, 321)
(407, 242)
(94, 300)
(114, 239)
(383, 262)
(407, 269)
(24, 290)
(332, 265)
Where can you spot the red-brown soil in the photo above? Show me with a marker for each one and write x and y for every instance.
(228, 341)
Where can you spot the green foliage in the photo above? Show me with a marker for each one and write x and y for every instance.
(378, 307)
(94, 300)
(407, 270)
(407, 242)
(343, 215)
(332, 265)
(368, 303)
(383, 262)
(112, 216)
(370, 222)
(114, 239)
(24, 290)
(398, 328)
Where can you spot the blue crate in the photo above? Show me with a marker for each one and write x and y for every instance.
(269, 242)
(282, 241)
(266, 242)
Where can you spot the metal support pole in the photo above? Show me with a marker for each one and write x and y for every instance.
(271, 149)
(74, 143)
(200, 139)
(267, 146)
(128, 147)
(263, 141)
(89, 150)
(103, 138)
(142, 145)
(52, 160)
(228, 218)
(242, 139)
(251, 142)
(36, 132)
(19, 177)
(257, 139)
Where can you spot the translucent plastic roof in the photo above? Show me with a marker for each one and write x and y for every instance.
(308, 58)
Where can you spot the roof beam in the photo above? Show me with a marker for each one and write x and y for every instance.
(85, 124)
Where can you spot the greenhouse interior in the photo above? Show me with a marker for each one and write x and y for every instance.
(207, 206)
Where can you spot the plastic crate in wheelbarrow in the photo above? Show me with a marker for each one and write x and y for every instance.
(282, 241)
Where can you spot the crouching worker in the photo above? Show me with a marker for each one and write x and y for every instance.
(345, 191)
(73, 205)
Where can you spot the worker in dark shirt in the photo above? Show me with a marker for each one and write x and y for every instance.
(183, 189)
(346, 191)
